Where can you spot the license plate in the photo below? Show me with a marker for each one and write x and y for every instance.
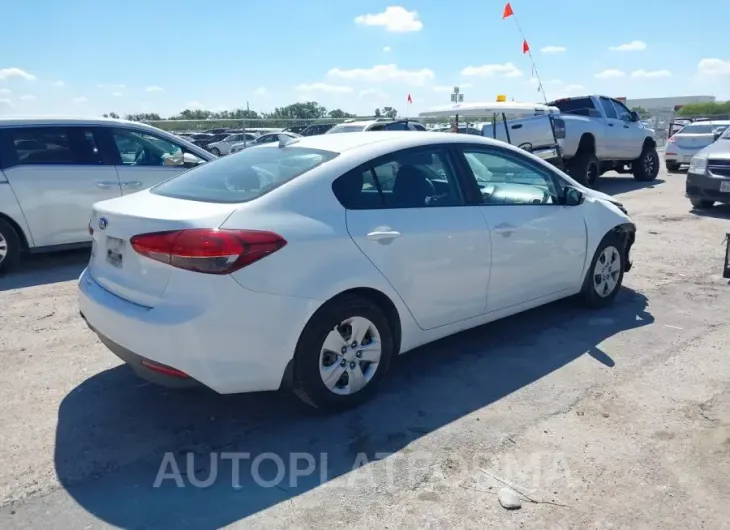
(725, 186)
(114, 251)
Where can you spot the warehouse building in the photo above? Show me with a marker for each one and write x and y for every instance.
(667, 104)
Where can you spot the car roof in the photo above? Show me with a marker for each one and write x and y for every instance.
(63, 120)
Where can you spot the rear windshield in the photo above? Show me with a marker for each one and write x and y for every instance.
(243, 176)
(580, 106)
(699, 128)
(346, 128)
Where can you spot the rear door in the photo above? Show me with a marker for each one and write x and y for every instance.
(143, 159)
(407, 214)
(57, 174)
(617, 142)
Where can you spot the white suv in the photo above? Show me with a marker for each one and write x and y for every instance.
(53, 170)
(380, 124)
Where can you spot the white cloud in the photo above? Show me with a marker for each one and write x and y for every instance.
(27, 97)
(384, 73)
(59, 83)
(553, 49)
(260, 91)
(111, 87)
(6, 102)
(611, 73)
(194, 105)
(154, 89)
(80, 99)
(650, 74)
(492, 70)
(386, 49)
(5, 91)
(7, 73)
(324, 87)
(633, 46)
(117, 94)
(373, 93)
(395, 18)
(450, 88)
(713, 67)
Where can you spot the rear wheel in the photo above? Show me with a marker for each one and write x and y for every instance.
(702, 204)
(585, 168)
(605, 275)
(343, 354)
(9, 247)
(646, 167)
(216, 151)
(672, 166)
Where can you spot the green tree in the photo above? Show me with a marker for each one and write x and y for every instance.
(111, 115)
(308, 110)
(377, 113)
(388, 112)
(710, 108)
(340, 114)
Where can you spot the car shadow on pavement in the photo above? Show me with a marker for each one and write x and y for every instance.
(117, 435)
(43, 269)
(719, 211)
(624, 184)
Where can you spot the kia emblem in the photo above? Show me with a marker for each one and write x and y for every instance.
(103, 223)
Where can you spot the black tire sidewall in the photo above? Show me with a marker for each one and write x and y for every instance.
(308, 384)
(589, 295)
(215, 152)
(11, 237)
(639, 172)
(579, 168)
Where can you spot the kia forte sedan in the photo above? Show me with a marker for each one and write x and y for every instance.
(309, 264)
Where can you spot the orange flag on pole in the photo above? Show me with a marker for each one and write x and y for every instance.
(409, 99)
(525, 46)
(507, 11)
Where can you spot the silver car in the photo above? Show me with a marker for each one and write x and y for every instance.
(690, 140)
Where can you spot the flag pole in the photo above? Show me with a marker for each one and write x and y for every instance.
(509, 12)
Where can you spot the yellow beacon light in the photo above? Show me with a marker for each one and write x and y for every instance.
(501, 98)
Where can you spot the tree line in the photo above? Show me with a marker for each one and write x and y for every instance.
(709, 109)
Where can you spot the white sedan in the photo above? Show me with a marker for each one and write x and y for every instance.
(309, 264)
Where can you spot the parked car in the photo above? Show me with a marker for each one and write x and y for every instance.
(462, 129)
(53, 170)
(223, 147)
(263, 139)
(296, 129)
(319, 128)
(708, 176)
(690, 140)
(380, 124)
(187, 279)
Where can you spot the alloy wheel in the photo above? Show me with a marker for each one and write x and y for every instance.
(3, 248)
(607, 271)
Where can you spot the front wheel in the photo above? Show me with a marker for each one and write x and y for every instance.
(343, 354)
(606, 273)
(216, 151)
(9, 247)
(646, 167)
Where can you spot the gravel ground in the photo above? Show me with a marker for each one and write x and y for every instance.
(611, 419)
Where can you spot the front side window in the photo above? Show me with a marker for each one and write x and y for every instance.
(346, 129)
(143, 149)
(42, 145)
(404, 180)
(609, 109)
(503, 179)
(621, 110)
(250, 174)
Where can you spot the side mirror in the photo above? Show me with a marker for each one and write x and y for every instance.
(716, 135)
(634, 116)
(190, 160)
(573, 197)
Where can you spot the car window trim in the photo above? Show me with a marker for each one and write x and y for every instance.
(518, 158)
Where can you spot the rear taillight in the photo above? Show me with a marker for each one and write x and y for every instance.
(671, 140)
(209, 251)
(559, 125)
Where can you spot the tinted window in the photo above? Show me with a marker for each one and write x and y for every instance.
(398, 126)
(698, 128)
(504, 179)
(623, 112)
(580, 106)
(418, 126)
(50, 145)
(244, 177)
(608, 108)
(142, 149)
(405, 180)
(346, 129)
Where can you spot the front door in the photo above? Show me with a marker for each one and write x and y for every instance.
(407, 214)
(538, 245)
(57, 174)
(633, 132)
(615, 138)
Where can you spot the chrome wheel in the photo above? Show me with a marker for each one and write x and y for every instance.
(3, 248)
(350, 356)
(649, 163)
(607, 271)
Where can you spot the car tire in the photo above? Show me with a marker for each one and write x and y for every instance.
(646, 167)
(10, 247)
(313, 362)
(702, 204)
(594, 293)
(585, 168)
(215, 151)
(672, 166)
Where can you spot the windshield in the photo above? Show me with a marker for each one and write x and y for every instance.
(244, 176)
(346, 129)
(698, 128)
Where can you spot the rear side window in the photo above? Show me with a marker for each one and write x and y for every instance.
(49, 145)
(580, 106)
(244, 176)
(698, 128)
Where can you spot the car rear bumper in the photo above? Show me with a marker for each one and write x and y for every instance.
(680, 155)
(706, 187)
(215, 332)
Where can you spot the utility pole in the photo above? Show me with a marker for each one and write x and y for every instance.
(456, 97)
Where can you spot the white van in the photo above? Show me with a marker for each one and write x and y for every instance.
(52, 170)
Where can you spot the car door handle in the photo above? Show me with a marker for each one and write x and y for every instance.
(518, 126)
(131, 184)
(626, 126)
(610, 124)
(383, 235)
(107, 185)
(504, 228)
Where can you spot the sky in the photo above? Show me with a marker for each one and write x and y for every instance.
(88, 57)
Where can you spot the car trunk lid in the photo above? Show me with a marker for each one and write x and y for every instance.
(693, 141)
(116, 266)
